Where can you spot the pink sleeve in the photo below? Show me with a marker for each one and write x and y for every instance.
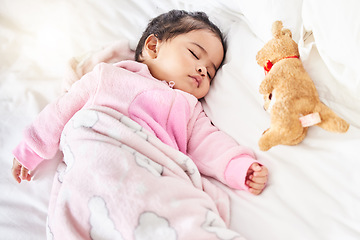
(42, 137)
(218, 155)
(236, 171)
(27, 157)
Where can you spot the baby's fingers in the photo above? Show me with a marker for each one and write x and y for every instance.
(16, 175)
(255, 191)
(262, 172)
(255, 188)
(255, 185)
(24, 175)
(256, 167)
(19, 172)
(259, 179)
(16, 170)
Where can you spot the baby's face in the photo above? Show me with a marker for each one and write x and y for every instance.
(190, 60)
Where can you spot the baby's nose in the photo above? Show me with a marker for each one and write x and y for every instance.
(202, 70)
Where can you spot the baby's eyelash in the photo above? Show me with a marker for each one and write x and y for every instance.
(198, 59)
(194, 54)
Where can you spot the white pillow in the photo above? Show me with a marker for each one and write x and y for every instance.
(234, 103)
(336, 29)
(261, 14)
(222, 12)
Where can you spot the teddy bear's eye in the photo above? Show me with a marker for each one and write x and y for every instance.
(270, 96)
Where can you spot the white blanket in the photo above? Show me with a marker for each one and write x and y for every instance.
(312, 191)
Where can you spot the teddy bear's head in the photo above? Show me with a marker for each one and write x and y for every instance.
(282, 45)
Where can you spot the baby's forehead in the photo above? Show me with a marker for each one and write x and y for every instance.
(199, 35)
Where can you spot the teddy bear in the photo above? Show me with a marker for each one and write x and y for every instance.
(290, 95)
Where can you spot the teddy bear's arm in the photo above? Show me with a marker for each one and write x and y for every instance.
(267, 85)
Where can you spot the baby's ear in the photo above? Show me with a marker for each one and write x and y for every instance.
(151, 46)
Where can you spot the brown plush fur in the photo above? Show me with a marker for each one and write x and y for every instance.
(292, 93)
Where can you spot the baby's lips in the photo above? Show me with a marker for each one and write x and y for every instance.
(197, 78)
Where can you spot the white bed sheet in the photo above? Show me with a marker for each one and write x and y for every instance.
(313, 187)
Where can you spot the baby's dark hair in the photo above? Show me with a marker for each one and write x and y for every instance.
(175, 22)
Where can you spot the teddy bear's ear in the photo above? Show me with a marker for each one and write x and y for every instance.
(276, 29)
(287, 32)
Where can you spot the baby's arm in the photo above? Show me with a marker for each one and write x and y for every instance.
(20, 172)
(215, 163)
(41, 138)
(256, 178)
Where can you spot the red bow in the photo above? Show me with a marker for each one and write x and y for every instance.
(269, 64)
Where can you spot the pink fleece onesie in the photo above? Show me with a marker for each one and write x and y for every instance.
(175, 117)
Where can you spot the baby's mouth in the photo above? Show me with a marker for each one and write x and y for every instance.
(197, 80)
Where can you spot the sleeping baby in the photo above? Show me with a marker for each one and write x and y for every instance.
(136, 143)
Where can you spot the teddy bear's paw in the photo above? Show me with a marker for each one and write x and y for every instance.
(267, 140)
(265, 88)
(272, 137)
(330, 121)
(263, 148)
(334, 124)
(297, 140)
(264, 145)
(343, 126)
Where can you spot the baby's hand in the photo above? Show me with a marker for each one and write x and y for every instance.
(256, 178)
(20, 172)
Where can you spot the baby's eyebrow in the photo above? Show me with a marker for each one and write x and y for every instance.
(204, 50)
